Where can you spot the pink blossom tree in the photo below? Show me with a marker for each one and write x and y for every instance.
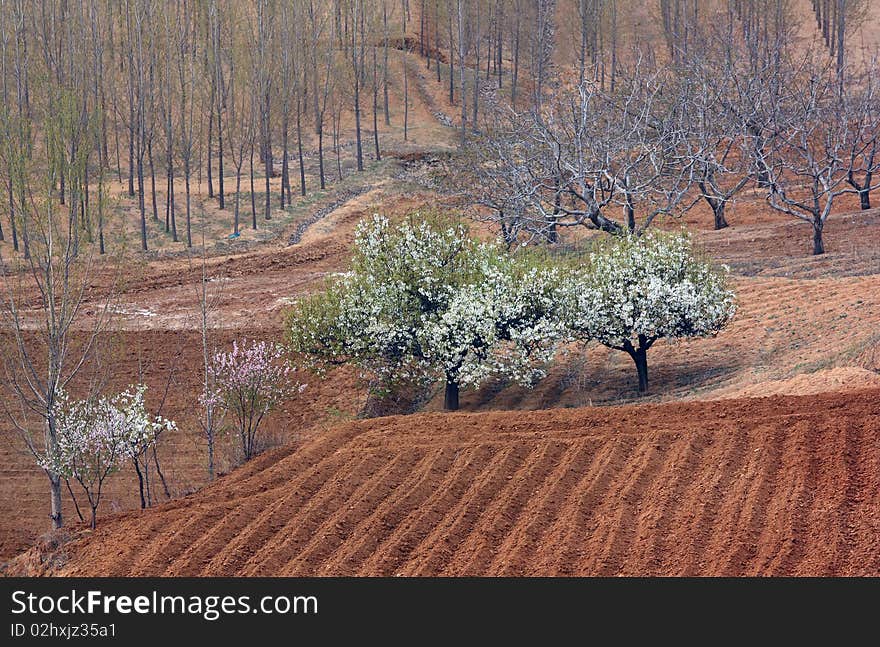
(248, 382)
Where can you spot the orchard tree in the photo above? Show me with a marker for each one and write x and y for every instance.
(593, 158)
(424, 301)
(94, 438)
(248, 382)
(635, 291)
(825, 138)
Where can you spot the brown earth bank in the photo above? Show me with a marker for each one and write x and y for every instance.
(783, 485)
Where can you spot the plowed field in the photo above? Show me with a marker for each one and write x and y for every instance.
(779, 485)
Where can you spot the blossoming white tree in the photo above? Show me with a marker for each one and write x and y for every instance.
(96, 437)
(635, 291)
(249, 381)
(423, 301)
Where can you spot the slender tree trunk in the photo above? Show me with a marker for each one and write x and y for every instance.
(188, 212)
(221, 193)
(385, 61)
(153, 181)
(137, 470)
(101, 249)
(405, 71)
(12, 226)
(818, 243)
(211, 450)
(451, 62)
(476, 88)
(515, 80)
(131, 158)
(285, 165)
(211, 145)
(141, 205)
(336, 146)
(253, 191)
(172, 208)
(268, 164)
(55, 499)
(321, 157)
(436, 40)
(159, 473)
(237, 197)
(357, 125)
(462, 52)
(299, 152)
(376, 106)
(73, 498)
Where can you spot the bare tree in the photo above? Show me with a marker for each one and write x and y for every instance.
(240, 119)
(265, 20)
(821, 142)
(586, 154)
(187, 74)
(50, 339)
(863, 108)
(320, 53)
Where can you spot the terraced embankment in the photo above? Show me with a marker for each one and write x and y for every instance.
(780, 485)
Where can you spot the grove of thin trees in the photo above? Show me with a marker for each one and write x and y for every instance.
(740, 103)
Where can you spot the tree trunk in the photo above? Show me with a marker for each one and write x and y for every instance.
(140, 475)
(718, 207)
(12, 226)
(385, 61)
(818, 243)
(55, 493)
(515, 80)
(376, 107)
(253, 191)
(267, 151)
(153, 181)
(450, 400)
(189, 242)
(640, 357)
(357, 123)
(321, 157)
(73, 498)
(131, 159)
(220, 192)
(140, 193)
(285, 165)
(101, 248)
(210, 144)
(211, 458)
(237, 196)
(159, 472)
(865, 199)
(299, 152)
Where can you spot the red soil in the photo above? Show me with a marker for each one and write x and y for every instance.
(773, 486)
(782, 485)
